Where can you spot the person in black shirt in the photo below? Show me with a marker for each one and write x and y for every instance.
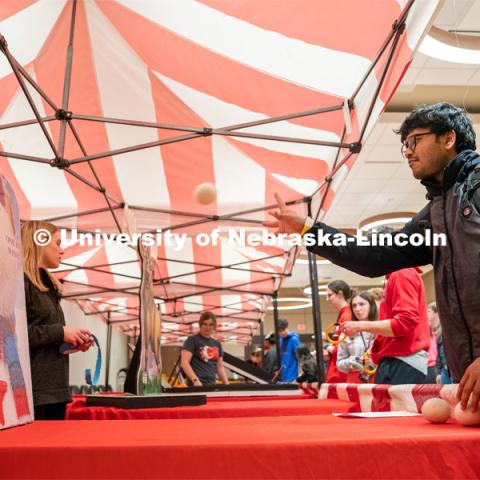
(46, 323)
(201, 356)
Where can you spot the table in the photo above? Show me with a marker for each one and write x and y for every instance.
(277, 447)
(227, 407)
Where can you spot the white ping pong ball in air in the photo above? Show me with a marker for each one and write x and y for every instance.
(205, 193)
(467, 417)
(436, 410)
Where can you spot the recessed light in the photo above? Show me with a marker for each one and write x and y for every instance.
(451, 47)
(304, 261)
(322, 290)
(385, 219)
(302, 303)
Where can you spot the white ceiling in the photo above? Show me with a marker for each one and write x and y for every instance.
(380, 181)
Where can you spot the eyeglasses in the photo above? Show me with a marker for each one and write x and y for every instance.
(411, 142)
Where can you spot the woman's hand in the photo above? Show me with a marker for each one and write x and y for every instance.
(355, 364)
(86, 345)
(80, 337)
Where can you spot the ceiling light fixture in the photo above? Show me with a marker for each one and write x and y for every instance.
(303, 303)
(392, 219)
(322, 290)
(304, 261)
(451, 47)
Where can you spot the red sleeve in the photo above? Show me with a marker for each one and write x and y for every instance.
(345, 315)
(404, 292)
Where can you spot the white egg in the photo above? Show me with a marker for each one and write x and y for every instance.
(467, 417)
(205, 193)
(436, 410)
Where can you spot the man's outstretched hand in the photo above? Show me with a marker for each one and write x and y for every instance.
(470, 386)
(286, 220)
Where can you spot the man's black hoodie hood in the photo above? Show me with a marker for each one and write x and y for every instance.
(456, 171)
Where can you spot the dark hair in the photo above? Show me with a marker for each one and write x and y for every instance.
(302, 352)
(270, 338)
(441, 118)
(340, 286)
(372, 311)
(207, 316)
(282, 324)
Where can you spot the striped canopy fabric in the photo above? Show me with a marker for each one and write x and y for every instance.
(112, 112)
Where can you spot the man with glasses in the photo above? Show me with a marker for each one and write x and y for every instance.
(438, 141)
(201, 356)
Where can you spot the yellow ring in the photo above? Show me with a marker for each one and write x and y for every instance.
(368, 371)
(328, 331)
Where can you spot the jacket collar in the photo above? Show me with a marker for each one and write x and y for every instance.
(47, 281)
(455, 171)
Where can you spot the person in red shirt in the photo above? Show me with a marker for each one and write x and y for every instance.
(338, 294)
(402, 333)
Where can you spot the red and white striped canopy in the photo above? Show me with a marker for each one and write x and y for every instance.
(155, 97)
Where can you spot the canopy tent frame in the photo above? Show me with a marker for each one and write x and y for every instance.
(65, 117)
(67, 121)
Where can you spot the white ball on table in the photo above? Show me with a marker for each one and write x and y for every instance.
(436, 410)
(467, 418)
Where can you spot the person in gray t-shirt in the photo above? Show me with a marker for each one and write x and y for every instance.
(201, 356)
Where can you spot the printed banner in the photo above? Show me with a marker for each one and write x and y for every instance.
(16, 404)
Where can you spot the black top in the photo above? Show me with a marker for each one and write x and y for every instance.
(205, 355)
(45, 320)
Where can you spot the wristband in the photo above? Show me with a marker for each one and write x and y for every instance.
(305, 229)
(308, 225)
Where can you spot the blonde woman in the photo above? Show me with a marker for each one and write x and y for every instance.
(46, 323)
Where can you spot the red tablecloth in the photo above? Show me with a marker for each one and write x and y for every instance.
(215, 408)
(314, 446)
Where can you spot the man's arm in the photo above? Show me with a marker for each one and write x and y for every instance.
(294, 344)
(403, 288)
(221, 372)
(186, 357)
(370, 261)
(469, 386)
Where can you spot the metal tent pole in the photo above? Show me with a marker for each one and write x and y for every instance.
(262, 340)
(108, 351)
(317, 323)
(275, 324)
(63, 114)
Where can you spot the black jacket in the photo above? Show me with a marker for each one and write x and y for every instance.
(453, 210)
(45, 335)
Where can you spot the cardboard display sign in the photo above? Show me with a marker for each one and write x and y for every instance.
(16, 403)
(150, 372)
